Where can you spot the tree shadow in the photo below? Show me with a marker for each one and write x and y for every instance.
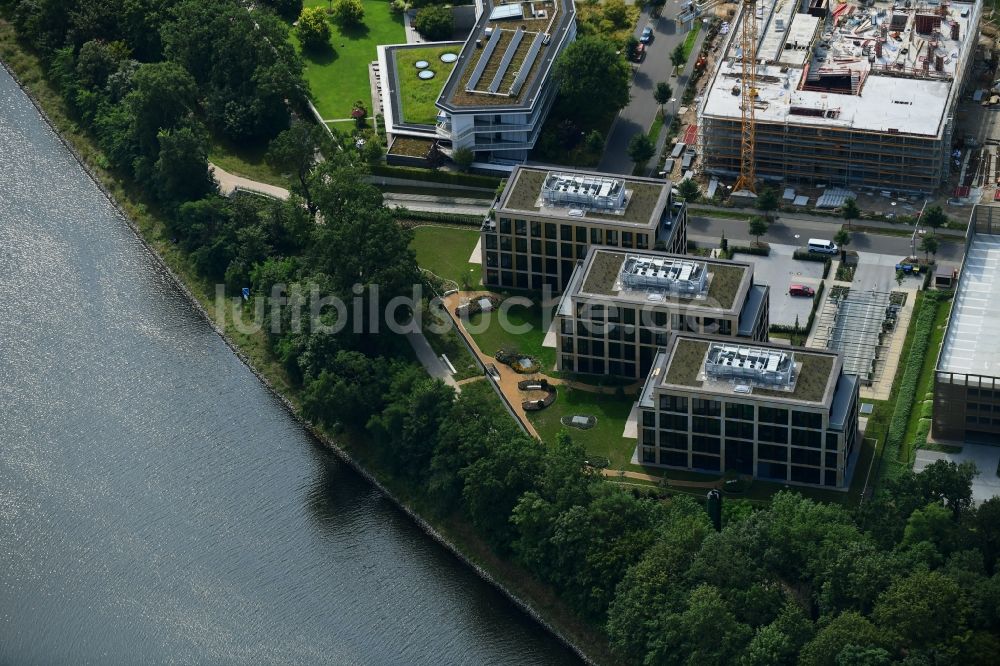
(323, 55)
(352, 32)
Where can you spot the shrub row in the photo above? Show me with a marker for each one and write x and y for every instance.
(907, 388)
(760, 251)
(430, 175)
(435, 216)
(806, 255)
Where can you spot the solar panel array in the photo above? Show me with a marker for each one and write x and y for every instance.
(529, 60)
(508, 55)
(484, 59)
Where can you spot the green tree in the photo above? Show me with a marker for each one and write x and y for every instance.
(706, 632)
(313, 30)
(848, 628)
(631, 47)
(463, 158)
(850, 211)
(779, 642)
(640, 148)
(295, 151)
(948, 482)
(933, 524)
(767, 202)
(928, 245)
(181, 169)
(286, 9)
(689, 190)
(435, 22)
(757, 226)
(662, 94)
(348, 13)
(842, 238)
(595, 141)
(616, 13)
(678, 57)
(593, 79)
(934, 217)
(925, 610)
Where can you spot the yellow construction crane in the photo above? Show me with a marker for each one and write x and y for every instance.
(748, 45)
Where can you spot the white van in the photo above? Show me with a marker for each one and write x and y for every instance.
(823, 246)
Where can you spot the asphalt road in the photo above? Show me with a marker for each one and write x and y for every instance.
(639, 114)
(786, 228)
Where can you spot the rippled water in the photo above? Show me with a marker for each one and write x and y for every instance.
(156, 503)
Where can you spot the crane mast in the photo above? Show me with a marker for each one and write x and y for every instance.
(748, 45)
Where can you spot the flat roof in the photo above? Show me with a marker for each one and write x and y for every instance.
(866, 74)
(601, 269)
(683, 365)
(646, 198)
(969, 346)
(529, 39)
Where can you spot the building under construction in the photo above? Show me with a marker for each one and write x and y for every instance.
(859, 95)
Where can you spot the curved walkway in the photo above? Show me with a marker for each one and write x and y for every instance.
(230, 182)
(677, 483)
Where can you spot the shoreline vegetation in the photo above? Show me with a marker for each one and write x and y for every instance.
(26, 70)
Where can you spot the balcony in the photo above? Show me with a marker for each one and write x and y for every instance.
(483, 126)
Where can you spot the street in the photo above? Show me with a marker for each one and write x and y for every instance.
(788, 230)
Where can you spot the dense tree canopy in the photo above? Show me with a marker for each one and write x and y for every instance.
(593, 78)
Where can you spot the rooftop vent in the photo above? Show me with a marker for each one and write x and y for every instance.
(679, 276)
(585, 192)
(750, 365)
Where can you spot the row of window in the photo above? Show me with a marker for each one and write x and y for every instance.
(741, 411)
(766, 470)
(570, 233)
(674, 430)
(648, 318)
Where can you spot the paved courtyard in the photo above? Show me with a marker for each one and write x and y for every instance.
(986, 483)
(779, 271)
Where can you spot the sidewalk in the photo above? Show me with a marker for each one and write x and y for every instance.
(229, 183)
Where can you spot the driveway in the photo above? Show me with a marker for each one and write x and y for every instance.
(639, 114)
(986, 483)
(779, 270)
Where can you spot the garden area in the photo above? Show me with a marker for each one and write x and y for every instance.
(338, 76)
(416, 94)
(445, 252)
(494, 338)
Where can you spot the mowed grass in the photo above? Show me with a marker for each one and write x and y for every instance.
(339, 76)
(604, 439)
(517, 326)
(417, 96)
(245, 160)
(445, 251)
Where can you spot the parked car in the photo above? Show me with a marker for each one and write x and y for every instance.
(801, 290)
(640, 53)
(822, 246)
(647, 35)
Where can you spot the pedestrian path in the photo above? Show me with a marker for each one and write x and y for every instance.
(230, 183)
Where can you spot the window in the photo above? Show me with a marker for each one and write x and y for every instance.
(550, 231)
(612, 237)
(626, 239)
(521, 244)
(804, 457)
(649, 419)
(777, 434)
(772, 452)
(741, 429)
(831, 441)
(567, 250)
(565, 232)
(536, 246)
(706, 425)
(491, 241)
(709, 463)
(504, 225)
(648, 455)
(705, 444)
(520, 227)
(505, 244)
(596, 237)
(805, 474)
(704, 407)
(810, 438)
(771, 470)
(831, 459)
(673, 403)
(673, 458)
(772, 415)
(536, 229)
(725, 327)
(674, 440)
(581, 234)
(736, 410)
(807, 419)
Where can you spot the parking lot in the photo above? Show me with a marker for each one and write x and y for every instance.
(779, 271)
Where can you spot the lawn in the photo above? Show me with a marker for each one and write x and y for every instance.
(916, 437)
(245, 160)
(339, 76)
(445, 252)
(604, 439)
(494, 337)
(690, 39)
(417, 96)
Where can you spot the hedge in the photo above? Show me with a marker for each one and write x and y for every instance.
(434, 176)
(764, 251)
(806, 255)
(906, 391)
(402, 213)
(785, 328)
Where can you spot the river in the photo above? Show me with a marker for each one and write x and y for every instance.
(157, 504)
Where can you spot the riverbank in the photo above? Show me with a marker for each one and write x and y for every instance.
(535, 600)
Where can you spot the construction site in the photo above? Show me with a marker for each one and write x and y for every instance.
(853, 95)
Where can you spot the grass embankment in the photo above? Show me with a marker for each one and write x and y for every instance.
(416, 95)
(247, 161)
(339, 75)
(605, 438)
(445, 252)
(148, 221)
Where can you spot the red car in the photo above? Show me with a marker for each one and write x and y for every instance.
(801, 290)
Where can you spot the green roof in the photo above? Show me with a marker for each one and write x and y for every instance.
(525, 191)
(686, 362)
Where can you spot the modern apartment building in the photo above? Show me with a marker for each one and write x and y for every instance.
(777, 413)
(501, 90)
(621, 306)
(864, 95)
(967, 379)
(546, 220)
